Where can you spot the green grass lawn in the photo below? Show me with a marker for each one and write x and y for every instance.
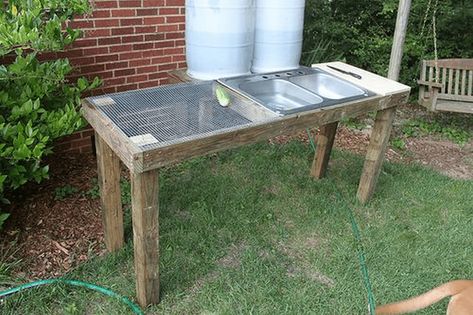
(249, 232)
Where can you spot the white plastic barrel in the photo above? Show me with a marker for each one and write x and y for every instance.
(219, 38)
(278, 35)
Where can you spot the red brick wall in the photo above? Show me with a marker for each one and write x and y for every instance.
(80, 142)
(129, 44)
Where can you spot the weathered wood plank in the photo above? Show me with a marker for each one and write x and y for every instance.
(422, 81)
(430, 83)
(453, 106)
(470, 82)
(431, 78)
(285, 125)
(127, 151)
(373, 82)
(423, 70)
(444, 79)
(384, 118)
(453, 97)
(463, 83)
(452, 63)
(325, 141)
(145, 215)
(399, 39)
(450, 81)
(457, 81)
(375, 154)
(108, 169)
(427, 103)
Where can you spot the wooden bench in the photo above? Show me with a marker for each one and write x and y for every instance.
(447, 85)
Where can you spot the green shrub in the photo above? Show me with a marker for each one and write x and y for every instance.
(37, 103)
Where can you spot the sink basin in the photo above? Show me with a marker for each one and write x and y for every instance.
(280, 95)
(327, 86)
(295, 90)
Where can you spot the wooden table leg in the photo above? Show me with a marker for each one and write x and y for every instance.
(323, 149)
(375, 155)
(144, 192)
(108, 168)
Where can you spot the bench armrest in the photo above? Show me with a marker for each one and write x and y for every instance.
(431, 84)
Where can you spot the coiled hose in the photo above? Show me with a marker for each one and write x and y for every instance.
(135, 308)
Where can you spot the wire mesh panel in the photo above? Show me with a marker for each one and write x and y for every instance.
(157, 116)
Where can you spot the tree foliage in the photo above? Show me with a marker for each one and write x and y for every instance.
(361, 32)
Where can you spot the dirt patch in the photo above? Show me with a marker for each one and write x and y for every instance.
(309, 273)
(298, 247)
(201, 282)
(357, 141)
(312, 242)
(272, 190)
(297, 250)
(444, 156)
(191, 292)
(289, 224)
(233, 257)
(231, 260)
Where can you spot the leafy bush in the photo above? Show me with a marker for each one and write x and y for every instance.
(37, 103)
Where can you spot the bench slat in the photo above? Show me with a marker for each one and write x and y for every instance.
(451, 106)
(431, 84)
(451, 63)
(450, 80)
(463, 83)
(444, 79)
(470, 82)
(431, 77)
(457, 81)
(453, 97)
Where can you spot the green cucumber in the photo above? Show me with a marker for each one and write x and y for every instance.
(222, 96)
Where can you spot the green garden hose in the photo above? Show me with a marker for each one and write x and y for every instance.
(359, 244)
(311, 140)
(135, 308)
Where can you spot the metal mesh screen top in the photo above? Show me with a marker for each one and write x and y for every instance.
(160, 116)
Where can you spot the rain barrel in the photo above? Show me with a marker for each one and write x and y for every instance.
(278, 35)
(219, 38)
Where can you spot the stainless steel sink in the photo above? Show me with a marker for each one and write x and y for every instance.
(280, 95)
(296, 90)
(327, 86)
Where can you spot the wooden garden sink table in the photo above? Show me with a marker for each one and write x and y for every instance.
(113, 144)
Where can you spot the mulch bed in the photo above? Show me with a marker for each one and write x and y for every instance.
(52, 236)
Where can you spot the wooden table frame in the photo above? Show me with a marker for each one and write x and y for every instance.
(113, 145)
